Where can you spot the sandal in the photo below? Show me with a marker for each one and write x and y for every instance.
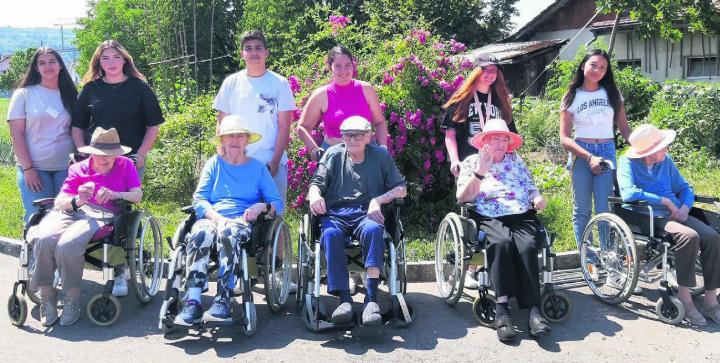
(693, 316)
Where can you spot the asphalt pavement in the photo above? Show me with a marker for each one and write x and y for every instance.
(596, 332)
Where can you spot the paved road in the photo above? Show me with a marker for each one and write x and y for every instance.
(595, 332)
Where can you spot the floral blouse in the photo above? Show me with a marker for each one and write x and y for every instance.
(506, 189)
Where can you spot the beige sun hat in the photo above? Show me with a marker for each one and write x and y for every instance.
(496, 126)
(234, 124)
(648, 139)
(105, 142)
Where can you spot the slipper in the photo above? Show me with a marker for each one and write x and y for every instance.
(713, 313)
(693, 316)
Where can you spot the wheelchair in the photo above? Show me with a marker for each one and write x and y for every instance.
(311, 274)
(611, 261)
(134, 238)
(459, 244)
(267, 254)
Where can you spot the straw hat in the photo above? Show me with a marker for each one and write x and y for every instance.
(105, 142)
(647, 139)
(496, 126)
(234, 124)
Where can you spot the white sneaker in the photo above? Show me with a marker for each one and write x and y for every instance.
(470, 282)
(353, 285)
(120, 288)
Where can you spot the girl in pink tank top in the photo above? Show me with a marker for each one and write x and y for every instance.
(335, 102)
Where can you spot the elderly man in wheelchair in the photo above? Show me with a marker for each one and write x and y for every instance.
(353, 181)
(87, 209)
(650, 183)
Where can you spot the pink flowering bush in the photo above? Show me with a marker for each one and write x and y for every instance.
(414, 75)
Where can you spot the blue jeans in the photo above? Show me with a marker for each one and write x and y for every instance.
(51, 183)
(338, 225)
(588, 187)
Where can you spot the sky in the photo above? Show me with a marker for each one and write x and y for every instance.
(47, 13)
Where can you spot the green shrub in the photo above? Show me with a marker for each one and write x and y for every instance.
(693, 110)
(538, 121)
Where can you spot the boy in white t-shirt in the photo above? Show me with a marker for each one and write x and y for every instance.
(264, 98)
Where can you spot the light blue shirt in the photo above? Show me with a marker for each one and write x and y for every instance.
(639, 183)
(230, 189)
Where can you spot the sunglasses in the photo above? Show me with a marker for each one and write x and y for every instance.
(357, 136)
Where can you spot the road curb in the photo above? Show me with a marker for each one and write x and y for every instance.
(423, 271)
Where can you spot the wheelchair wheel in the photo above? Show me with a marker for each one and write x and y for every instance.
(608, 258)
(303, 268)
(17, 309)
(146, 262)
(402, 267)
(450, 262)
(104, 309)
(173, 288)
(278, 266)
(556, 307)
(671, 311)
(484, 309)
(251, 316)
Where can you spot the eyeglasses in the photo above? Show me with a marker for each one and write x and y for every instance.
(353, 136)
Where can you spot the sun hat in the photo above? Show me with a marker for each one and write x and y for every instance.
(234, 124)
(496, 126)
(355, 124)
(105, 142)
(485, 59)
(648, 139)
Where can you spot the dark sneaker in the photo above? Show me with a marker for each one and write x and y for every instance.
(538, 326)
(371, 314)
(343, 314)
(218, 312)
(505, 328)
(190, 315)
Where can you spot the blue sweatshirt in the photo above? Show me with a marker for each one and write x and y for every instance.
(230, 189)
(663, 179)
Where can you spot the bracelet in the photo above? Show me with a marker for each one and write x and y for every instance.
(588, 158)
(31, 167)
(480, 177)
(73, 203)
(121, 196)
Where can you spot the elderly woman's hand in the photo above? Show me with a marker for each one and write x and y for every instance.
(105, 195)
(539, 202)
(251, 214)
(485, 159)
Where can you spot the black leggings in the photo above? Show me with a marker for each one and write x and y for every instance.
(512, 256)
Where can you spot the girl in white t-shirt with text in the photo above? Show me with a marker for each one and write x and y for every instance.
(592, 106)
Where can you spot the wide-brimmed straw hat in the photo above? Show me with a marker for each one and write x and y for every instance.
(648, 139)
(496, 126)
(234, 124)
(105, 142)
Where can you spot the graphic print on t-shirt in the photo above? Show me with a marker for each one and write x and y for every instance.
(595, 110)
(474, 117)
(266, 102)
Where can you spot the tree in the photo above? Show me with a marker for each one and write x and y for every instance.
(663, 16)
(18, 65)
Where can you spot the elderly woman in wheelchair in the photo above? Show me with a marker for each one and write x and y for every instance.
(650, 183)
(233, 193)
(506, 200)
(354, 180)
(85, 206)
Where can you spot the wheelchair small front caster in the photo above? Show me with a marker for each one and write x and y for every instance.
(670, 311)
(17, 309)
(556, 306)
(103, 309)
(484, 310)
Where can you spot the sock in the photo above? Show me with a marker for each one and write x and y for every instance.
(194, 293)
(372, 287)
(502, 309)
(344, 296)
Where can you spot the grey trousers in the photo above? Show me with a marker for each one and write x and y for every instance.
(690, 237)
(59, 242)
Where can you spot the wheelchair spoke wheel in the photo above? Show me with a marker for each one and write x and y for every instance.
(555, 306)
(608, 258)
(103, 310)
(402, 267)
(251, 318)
(146, 265)
(449, 260)
(278, 266)
(670, 311)
(17, 309)
(484, 309)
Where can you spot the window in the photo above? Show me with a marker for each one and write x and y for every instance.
(698, 67)
(632, 63)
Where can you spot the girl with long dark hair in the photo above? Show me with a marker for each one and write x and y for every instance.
(39, 118)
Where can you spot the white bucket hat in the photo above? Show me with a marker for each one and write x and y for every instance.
(648, 139)
(234, 124)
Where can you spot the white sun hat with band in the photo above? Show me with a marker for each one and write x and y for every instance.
(648, 139)
(105, 142)
(234, 124)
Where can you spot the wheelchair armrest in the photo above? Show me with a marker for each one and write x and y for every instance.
(188, 209)
(43, 201)
(124, 205)
(706, 199)
(618, 200)
(467, 205)
(399, 201)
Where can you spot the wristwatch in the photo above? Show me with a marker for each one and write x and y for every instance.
(481, 177)
(73, 203)
(268, 206)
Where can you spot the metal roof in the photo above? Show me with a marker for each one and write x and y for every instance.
(505, 53)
